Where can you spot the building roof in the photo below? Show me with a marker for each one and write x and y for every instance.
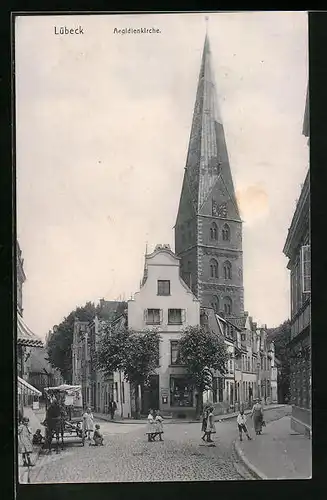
(238, 322)
(108, 309)
(25, 336)
(300, 221)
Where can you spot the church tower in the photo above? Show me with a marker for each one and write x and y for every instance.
(208, 230)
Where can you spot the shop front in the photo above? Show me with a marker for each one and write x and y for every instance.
(28, 396)
(182, 397)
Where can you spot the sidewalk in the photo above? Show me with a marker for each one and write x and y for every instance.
(169, 420)
(278, 453)
(35, 417)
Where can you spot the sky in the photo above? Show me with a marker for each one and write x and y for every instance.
(102, 128)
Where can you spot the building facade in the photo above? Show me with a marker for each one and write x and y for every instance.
(26, 341)
(208, 230)
(166, 304)
(251, 370)
(98, 389)
(297, 249)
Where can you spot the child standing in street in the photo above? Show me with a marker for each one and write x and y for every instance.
(158, 425)
(241, 422)
(97, 436)
(25, 442)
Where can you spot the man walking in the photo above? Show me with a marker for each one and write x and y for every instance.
(112, 409)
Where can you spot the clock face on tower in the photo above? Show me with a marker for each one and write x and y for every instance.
(219, 210)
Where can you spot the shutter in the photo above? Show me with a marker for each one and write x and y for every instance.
(160, 315)
(183, 315)
(145, 315)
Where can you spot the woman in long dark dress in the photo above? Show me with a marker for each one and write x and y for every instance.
(257, 415)
(204, 424)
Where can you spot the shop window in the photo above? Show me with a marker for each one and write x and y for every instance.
(163, 287)
(181, 392)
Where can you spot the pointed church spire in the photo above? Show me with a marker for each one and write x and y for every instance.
(208, 229)
(207, 159)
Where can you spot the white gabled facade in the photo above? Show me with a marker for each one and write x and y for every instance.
(166, 304)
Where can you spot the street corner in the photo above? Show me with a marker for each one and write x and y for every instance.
(241, 455)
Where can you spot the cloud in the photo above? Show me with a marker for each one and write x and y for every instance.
(253, 203)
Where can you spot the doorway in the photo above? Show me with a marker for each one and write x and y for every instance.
(150, 395)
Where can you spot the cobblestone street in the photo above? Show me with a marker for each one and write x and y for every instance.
(127, 456)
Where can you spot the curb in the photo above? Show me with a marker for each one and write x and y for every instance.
(251, 468)
(217, 418)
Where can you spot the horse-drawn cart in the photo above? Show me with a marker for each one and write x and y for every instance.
(64, 413)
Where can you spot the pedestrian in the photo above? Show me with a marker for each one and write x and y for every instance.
(97, 436)
(210, 429)
(158, 425)
(204, 424)
(88, 423)
(38, 439)
(257, 415)
(241, 422)
(25, 445)
(150, 431)
(113, 408)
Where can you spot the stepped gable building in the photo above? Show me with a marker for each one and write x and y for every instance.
(208, 230)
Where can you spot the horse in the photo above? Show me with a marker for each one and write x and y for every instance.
(55, 424)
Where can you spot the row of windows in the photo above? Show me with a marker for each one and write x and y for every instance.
(227, 269)
(225, 232)
(155, 316)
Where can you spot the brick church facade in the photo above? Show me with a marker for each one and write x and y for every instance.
(208, 230)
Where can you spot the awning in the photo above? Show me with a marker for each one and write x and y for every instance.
(24, 386)
(25, 336)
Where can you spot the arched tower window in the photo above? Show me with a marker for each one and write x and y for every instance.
(214, 231)
(215, 304)
(213, 268)
(227, 305)
(226, 232)
(227, 270)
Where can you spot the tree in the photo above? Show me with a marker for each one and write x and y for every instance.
(202, 351)
(61, 338)
(136, 354)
